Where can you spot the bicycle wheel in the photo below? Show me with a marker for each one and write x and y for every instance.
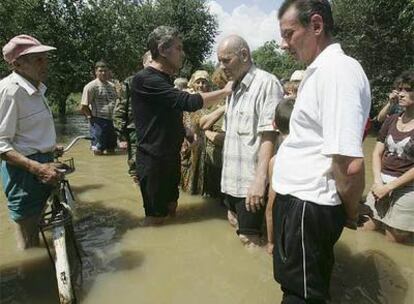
(67, 263)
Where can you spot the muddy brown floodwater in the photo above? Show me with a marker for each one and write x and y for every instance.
(195, 258)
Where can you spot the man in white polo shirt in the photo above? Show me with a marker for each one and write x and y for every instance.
(27, 136)
(250, 137)
(319, 169)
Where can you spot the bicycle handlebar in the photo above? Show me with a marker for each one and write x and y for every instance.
(74, 141)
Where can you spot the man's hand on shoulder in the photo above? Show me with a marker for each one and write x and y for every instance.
(228, 88)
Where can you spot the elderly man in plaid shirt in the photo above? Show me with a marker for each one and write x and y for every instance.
(250, 137)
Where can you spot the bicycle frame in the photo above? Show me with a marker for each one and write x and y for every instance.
(59, 221)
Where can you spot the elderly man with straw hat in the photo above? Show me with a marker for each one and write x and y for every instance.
(27, 136)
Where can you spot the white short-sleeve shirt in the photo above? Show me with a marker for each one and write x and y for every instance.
(26, 121)
(249, 112)
(329, 118)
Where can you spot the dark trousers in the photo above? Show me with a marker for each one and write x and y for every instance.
(103, 134)
(304, 236)
(158, 180)
(249, 223)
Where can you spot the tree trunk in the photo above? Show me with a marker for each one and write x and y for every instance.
(62, 106)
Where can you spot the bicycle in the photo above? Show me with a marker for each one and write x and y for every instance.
(57, 217)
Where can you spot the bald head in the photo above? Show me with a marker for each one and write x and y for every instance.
(234, 56)
(234, 44)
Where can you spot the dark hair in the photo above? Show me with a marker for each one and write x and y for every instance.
(282, 115)
(162, 37)
(406, 77)
(100, 64)
(307, 8)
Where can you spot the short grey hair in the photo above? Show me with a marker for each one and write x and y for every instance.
(162, 37)
(235, 44)
(181, 83)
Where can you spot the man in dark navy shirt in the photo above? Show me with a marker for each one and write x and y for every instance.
(157, 107)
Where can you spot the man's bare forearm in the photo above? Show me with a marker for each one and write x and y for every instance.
(349, 175)
(86, 111)
(19, 160)
(266, 150)
(214, 97)
(46, 173)
(211, 98)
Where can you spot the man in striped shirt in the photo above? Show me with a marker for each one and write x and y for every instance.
(98, 101)
(250, 137)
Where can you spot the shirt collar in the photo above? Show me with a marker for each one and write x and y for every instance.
(330, 49)
(248, 78)
(27, 85)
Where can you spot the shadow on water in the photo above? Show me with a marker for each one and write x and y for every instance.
(85, 188)
(205, 209)
(29, 281)
(369, 277)
(99, 230)
(71, 126)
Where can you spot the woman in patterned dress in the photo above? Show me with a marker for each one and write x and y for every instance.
(193, 150)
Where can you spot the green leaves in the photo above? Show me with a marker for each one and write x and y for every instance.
(380, 34)
(85, 31)
(272, 59)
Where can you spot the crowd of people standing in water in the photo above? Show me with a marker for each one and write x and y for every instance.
(289, 155)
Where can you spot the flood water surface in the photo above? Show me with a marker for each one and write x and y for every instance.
(194, 258)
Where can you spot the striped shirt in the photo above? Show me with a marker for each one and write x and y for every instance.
(100, 97)
(249, 112)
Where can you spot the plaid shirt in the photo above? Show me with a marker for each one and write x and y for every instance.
(249, 112)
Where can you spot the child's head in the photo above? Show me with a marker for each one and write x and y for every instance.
(291, 88)
(282, 115)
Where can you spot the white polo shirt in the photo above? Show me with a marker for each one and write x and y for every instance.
(26, 121)
(328, 119)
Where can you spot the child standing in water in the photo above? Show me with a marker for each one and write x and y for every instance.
(281, 124)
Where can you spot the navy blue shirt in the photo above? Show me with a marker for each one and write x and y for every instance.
(158, 108)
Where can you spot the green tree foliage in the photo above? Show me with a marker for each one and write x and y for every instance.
(380, 34)
(85, 31)
(272, 59)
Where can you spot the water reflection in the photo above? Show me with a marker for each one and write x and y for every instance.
(370, 276)
(195, 258)
(71, 126)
